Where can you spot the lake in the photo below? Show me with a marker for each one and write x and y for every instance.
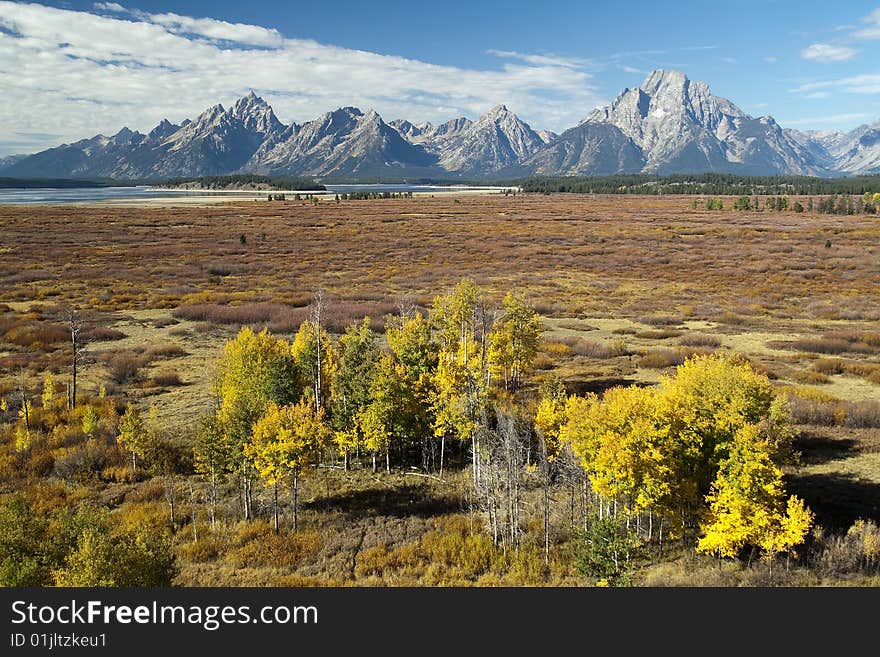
(89, 194)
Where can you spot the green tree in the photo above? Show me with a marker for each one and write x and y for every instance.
(255, 370)
(212, 456)
(414, 349)
(352, 383)
(23, 544)
(133, 435)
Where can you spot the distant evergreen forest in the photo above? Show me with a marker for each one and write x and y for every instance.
(243, 181)
(704, 183)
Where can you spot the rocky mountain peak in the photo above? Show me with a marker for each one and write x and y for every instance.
(162, 130)
(256, 114)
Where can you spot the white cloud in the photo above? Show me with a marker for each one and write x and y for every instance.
(541, 60)
(873, 29)
(252, 35)
(771, 60)
(856, 84)
(728, 60)
(828, 120)
(630, 69)
(110, 6)
(75, 74)
(825, 52)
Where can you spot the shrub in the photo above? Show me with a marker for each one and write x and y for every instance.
(662, 334)
(166, 379)
(661, 320)
(700, 340)
(595, 349)
(829, 366)
(170, 350)
(124, 367)
(101, 334)
(556, 348)
(662, 358)
(856, 550)
(821, 345)
(261, 546)
(862, 415)
(206, 548)
(605, 549)
(810, 377)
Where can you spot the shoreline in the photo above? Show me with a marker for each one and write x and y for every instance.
(169, 197)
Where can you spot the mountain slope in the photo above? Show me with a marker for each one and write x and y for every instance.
(590, 149)
(680, 126)
(669, 124)
(343, 143)
(497, 140)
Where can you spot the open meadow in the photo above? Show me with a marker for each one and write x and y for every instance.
(628, 287)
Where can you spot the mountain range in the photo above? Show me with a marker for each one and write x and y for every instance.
(669, 124)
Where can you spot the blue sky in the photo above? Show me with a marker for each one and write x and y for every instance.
(74, 69)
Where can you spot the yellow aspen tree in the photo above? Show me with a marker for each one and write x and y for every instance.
(48, 398)
(284, 441)
(376, 437)
(22, 438)
(317, 366)
(550, 415)
(747, 505)
(701, 408)
(90, 421)
(462, 377)
(132, 435)
(513, 342)
(549, 418)
(620, 445)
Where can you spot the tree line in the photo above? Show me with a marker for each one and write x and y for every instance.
(726, 184)
(243, 180)
(844, 204)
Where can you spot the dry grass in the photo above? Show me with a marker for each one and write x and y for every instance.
(163, 288)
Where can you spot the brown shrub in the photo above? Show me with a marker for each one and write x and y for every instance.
(102, 334)
(824, 345)
(816, 412)
(166, 379)
(862, 415)
(661, 320)
(810, 377)
(170, 350)
(595, 349)
(659, 359)
(36, 334)
(662, 334)
(700, 340)
(731, 319)
(829, 366)
(263, 547)
(124, 367)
